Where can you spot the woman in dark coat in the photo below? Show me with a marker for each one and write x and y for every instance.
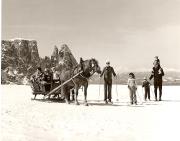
(157, 74)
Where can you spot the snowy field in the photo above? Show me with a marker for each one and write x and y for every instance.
(23, 119)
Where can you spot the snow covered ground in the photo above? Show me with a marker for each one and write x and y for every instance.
(23, 119)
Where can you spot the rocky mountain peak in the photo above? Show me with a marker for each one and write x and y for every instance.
(20, 57)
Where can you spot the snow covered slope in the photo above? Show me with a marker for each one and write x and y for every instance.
(24, 119)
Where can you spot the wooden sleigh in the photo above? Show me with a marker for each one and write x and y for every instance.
(39, 89)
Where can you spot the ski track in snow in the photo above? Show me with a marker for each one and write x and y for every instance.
(23, 119)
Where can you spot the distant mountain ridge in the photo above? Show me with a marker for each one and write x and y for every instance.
(170, 78)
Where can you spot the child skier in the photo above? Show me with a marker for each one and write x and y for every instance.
(156, 61)
(132, 86)
(146, 86)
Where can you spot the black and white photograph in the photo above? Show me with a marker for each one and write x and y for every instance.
(90, 70)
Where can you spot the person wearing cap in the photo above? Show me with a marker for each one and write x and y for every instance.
(156, 61)
(108, 71)
(146, 86)
(157, 73)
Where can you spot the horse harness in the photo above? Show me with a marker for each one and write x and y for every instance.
(81, 65)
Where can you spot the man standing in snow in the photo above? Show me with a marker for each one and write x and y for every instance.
(108, 71)
(157, 74)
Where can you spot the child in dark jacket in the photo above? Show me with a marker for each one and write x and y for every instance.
(146, 86)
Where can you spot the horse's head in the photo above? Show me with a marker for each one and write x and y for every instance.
(95, 66)
(90, 67)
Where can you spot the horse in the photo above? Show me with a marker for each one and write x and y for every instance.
(88, 68)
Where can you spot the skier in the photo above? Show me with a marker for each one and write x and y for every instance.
(108, 71)
(146, 86)
(156, 61)
(132, 86)
(157, 73)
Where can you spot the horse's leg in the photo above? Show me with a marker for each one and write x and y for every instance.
(68, 94)
(58, 95)
(49, 96)
(64, 93)
(72, 93)
(76, 95)
(85, 94)
(35, 96)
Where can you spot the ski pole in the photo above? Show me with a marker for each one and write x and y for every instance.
(117, 91)
(141, 102)
(152, 92)
(143, 92)
(99, 88)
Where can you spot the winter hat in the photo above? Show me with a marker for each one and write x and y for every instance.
(108, 62)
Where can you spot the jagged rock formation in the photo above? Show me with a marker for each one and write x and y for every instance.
(63, 58)
(8, 55)
(19, 56)
(45, 63)
(19, 52)
(54, 56)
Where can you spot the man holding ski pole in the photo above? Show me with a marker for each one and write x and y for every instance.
(108, 71)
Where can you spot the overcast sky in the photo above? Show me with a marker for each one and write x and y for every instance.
(129, 33)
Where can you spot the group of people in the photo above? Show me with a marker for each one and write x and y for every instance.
(50, 78)
(157, 73)
(45, 80)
